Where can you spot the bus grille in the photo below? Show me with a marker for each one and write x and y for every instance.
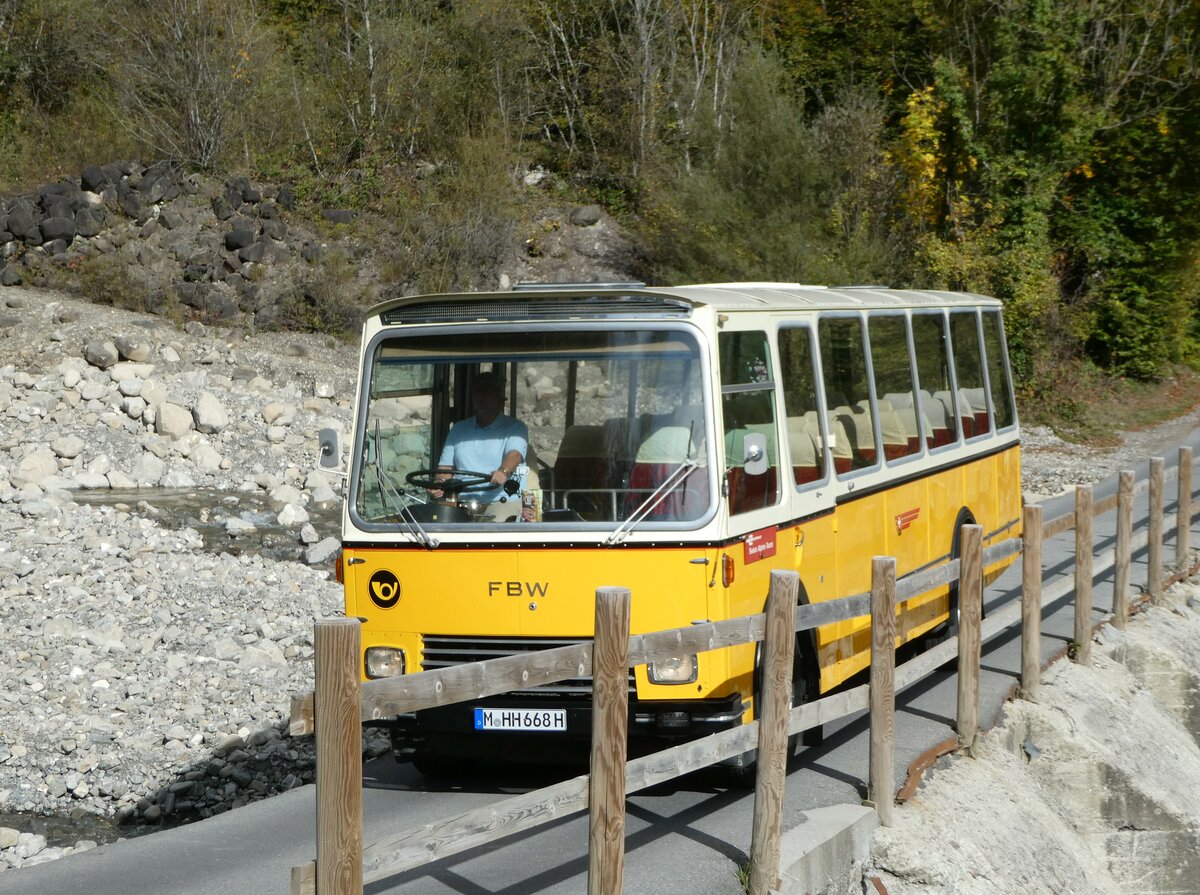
(444, 652)
(557, 308)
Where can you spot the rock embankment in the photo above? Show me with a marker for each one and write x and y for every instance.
(223, 249)
(1090, 789)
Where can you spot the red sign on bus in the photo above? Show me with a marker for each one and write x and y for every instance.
(760, 544)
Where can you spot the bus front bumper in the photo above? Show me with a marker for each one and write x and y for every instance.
(449, 732)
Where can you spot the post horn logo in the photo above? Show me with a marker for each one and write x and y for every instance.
(907, 518)
(384, 588)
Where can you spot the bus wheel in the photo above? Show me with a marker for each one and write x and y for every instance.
(804, 690)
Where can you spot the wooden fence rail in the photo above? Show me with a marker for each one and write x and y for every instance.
(341, 703)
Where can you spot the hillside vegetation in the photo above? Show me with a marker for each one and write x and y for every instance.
(1044, 152)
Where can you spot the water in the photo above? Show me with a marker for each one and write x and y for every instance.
(65, 830)
(206, 510)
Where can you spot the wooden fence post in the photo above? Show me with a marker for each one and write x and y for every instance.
(338, 715)
(1031, 601)
(1083, 574)
(1183, 515)
(970, 609)
(881, 785)
(610, 722)
(772, 708)
(1124, 537)
(1154, 562)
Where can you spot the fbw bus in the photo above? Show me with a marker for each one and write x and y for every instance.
(681, 442)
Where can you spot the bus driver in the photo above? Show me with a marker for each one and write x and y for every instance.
(489, 440)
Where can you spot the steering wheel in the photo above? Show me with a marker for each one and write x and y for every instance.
(460, 480)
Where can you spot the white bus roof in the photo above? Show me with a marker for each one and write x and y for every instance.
(717, 296)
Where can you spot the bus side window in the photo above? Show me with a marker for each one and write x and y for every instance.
(847, 393)
(1000, 386)
(805, 442)
(748, 407)
(899, 427)
(933, 376)
(968, 365)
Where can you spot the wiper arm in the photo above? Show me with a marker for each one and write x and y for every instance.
(647, 506)
(389, 494)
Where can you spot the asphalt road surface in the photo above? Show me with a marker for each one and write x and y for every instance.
(687, 836)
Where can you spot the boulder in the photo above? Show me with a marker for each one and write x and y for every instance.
(337, 215)
(221, 208)
(89, 222)
(209, 414)
(585, 215)
(34, 468)
(94, 179)
(68, 446)
(172, 421)
(102, 354)
(238, 239)
(10, 276)
(23, 223)
(58, 228)
(132, 348)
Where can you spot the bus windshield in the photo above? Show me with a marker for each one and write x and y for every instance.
(595, 427)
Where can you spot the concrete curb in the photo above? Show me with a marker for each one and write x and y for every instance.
(825, 854)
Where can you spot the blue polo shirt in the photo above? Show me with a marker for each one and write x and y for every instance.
(483, 448)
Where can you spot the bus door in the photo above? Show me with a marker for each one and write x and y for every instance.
(751, 473)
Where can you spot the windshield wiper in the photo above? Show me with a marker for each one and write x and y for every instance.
(647, 506)
(401, 507)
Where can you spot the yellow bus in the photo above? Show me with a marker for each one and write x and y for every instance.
(681, 442)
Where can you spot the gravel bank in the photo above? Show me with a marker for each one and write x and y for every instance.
(149, 678)
(1071, 794)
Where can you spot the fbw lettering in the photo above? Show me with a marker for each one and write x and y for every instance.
(518, 588)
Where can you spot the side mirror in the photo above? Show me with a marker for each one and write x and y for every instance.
(754, 447)
(330, 456)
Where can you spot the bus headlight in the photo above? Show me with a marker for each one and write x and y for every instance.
(674, 670)
(385, 661)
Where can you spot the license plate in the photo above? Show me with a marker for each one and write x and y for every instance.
(546, 720)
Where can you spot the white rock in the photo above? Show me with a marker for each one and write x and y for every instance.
(292, 514)
(118, 479)
(131, 371)
(322, 552)
(91, 480)
(210, 415)
(147, 471)
(34, 468)
(68, 447)
(236, 525)
(134, 407)
(172, 420)
(29, 844)
(276, 412)
(177, 478)
(206, 458)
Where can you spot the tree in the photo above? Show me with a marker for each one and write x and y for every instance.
(186, 70)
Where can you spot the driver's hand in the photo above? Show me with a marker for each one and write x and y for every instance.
(437, 493)
(499, 477)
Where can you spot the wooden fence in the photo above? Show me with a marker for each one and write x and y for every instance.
(344, 865)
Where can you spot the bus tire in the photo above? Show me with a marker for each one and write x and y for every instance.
(804, 689)
(949, 628)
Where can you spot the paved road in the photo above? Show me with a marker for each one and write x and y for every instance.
(688, 836)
